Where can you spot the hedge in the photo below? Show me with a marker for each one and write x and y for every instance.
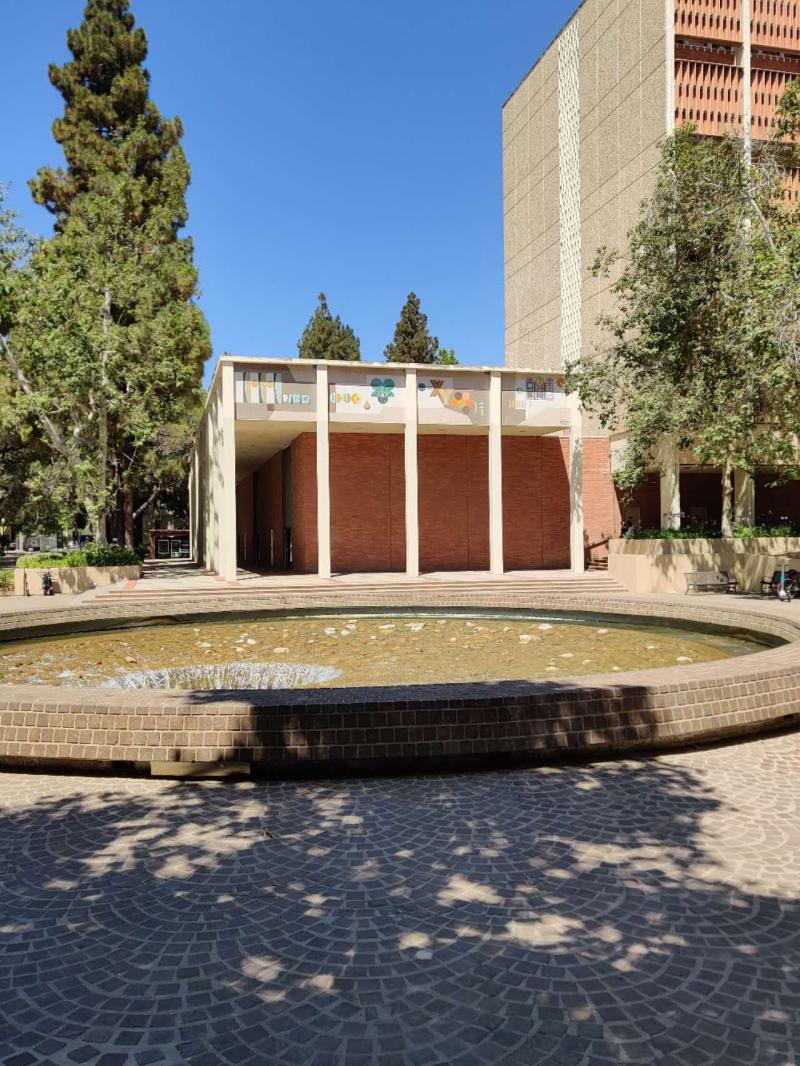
(91, 556)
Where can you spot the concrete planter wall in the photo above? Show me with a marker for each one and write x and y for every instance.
(28, 582)
(646, 566)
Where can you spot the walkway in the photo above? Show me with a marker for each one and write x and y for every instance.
(631, 912)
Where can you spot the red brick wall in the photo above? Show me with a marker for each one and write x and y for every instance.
(453, 502)
(397, 490)
(368, 509)
(555, 502)
(522, 502)
(601, 511)
(367, 476)
(303, 518)
(269, 516)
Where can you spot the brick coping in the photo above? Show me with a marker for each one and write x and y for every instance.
(402, 726)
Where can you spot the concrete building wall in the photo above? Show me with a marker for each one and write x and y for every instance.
(216, 490)
(623, 93)
(580, 143)
(531, 218)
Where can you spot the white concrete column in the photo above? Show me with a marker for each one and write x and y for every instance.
(227, 473)
(192, 502)
(323, 474)
(496, 562)
(744, 497)
(412, 476)
(669, 66)
(669, 485)
(577, 551)
(744, 61)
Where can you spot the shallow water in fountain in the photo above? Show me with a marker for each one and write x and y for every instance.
(302, 651)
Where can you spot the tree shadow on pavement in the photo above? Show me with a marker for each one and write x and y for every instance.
(623, 912)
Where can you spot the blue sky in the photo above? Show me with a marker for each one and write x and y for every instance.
(348, 147)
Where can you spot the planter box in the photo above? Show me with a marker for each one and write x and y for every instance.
(28, 582)
(662, 565)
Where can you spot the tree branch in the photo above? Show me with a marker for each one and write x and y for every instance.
(150, 499)
(57, 442)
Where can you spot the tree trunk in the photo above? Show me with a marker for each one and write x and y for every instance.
(102, 423)
(147, 519)
(127, 512)
(727, 499)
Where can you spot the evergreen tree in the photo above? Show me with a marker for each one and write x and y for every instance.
(108, 339)
(326, 337)
(412, 343)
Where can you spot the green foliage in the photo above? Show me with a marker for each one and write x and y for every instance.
(412, 343)
(703, 350)
(784, 529)
(108, 342)
(48, 560)
(93, 555)
(326, 337)
(104, 555)
(446, 357)
(6, 580)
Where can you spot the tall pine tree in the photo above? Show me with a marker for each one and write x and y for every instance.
(412, 343)
(326, 337)
(108, 339)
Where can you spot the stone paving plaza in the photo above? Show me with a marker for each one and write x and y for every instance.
(619, 912)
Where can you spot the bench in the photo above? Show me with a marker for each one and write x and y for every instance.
(710, 581)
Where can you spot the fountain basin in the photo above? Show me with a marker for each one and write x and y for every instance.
(407, 725)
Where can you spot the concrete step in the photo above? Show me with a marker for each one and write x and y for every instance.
(591, 584)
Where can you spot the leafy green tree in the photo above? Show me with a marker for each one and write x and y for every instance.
(108, 340)
(412, 343)
(703, 349)
(35, 493)
(326, 337)
(446, 357)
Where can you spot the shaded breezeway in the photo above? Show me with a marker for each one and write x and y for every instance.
(636, 911)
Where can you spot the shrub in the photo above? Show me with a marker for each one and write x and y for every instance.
(784, 529)
(94, 555)
(97, 555)
(6, 581)
(51, 560)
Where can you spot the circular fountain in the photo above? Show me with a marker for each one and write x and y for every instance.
(403, 683)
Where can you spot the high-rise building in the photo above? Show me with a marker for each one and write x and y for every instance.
(581, 137)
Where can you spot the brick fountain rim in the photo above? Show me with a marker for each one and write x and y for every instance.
(399, 727)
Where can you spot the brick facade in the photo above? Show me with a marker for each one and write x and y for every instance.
(303, 519)
(453, 502)
(368, 502)
(602, 517)
(367, 477)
